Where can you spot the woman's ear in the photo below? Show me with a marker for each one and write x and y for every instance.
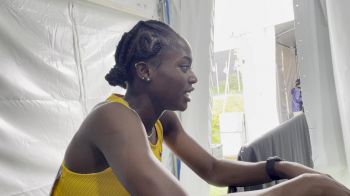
(143, 71)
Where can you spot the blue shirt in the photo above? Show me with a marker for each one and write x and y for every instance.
(297, 103)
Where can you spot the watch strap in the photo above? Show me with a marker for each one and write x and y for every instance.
(270, 167)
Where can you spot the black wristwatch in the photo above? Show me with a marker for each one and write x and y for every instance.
(270, 167)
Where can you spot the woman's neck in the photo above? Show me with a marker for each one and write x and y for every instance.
(144, 107)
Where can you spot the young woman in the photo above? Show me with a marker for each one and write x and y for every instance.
(117, 150)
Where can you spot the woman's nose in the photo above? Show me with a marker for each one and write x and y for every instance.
(192, 78)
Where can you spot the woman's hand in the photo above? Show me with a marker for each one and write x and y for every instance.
(310, 181)
(303, 185)
(309, 185)
(322, 185)
(331, 186)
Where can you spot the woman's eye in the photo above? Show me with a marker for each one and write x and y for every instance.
(185, 68)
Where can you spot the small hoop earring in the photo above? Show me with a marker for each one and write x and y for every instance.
(148, 79)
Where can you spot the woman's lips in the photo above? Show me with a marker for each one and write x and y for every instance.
(187, 97)
(187, 94)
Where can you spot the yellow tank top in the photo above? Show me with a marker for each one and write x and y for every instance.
(104, 183)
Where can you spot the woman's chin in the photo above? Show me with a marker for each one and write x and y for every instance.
(180, 105)
(183, 107)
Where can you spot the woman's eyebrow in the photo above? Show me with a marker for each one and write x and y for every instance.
(188, 58)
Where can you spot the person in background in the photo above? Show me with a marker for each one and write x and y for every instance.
(297, 102)
(117, 149)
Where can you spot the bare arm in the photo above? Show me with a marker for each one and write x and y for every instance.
(304, 180)
(121, 138)
(217, 172)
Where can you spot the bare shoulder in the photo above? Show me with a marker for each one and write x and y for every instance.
(171, 123)
(112, 117)
(168, 117)
(115, 126)
(107, 124)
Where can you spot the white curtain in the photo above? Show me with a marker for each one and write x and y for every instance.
(287, 72)
(53, 58)
(322, 44)
(339, 33)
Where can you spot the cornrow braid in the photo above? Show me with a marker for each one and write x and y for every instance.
(144, 41)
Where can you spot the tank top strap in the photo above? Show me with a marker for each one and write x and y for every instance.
(119, 99)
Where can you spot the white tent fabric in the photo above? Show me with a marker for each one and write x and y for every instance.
(259, 80)
(339, 31)
(53, 57)
(326, 101)
(287, 72)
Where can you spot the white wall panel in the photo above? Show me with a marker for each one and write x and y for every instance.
(339, 30)
(317, 82)
(54, 55)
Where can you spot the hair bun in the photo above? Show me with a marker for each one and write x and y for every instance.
(116, 76)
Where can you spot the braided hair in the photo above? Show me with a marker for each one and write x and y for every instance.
(144, 41)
